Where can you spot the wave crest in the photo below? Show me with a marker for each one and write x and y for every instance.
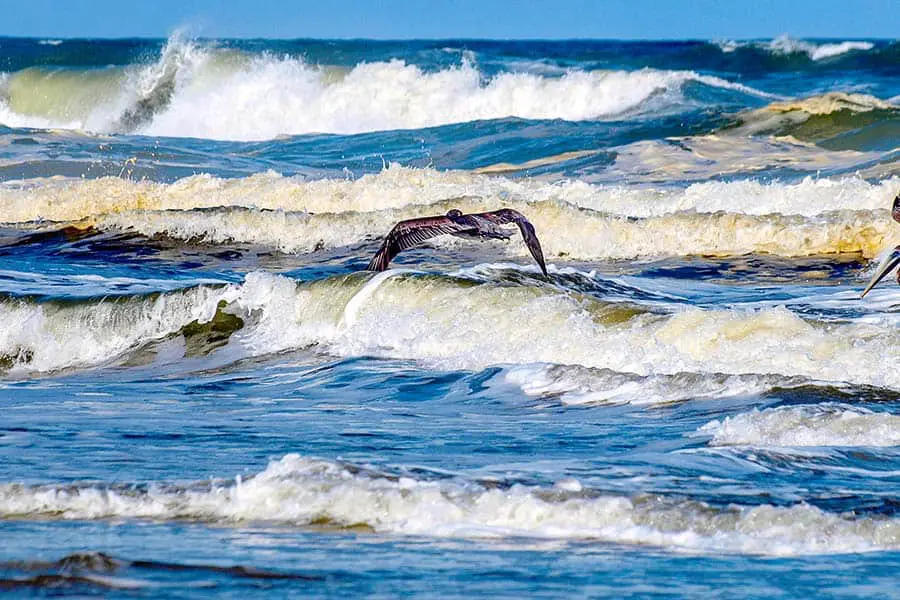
(194, 91)
(450, 323)
(299, 491)
(786, 45)
(820, 425)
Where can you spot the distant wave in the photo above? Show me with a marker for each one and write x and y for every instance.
(786, 45)
(825, 116)
(194, 91)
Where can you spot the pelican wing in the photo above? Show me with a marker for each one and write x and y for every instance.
(895, 209)
(886, 266)
(508, 215)
(413, 232)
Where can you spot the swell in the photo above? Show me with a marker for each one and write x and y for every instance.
(55, 335)
(566, 232)
(102, 99)
(98, 571)
(835, 120)
(792, 53)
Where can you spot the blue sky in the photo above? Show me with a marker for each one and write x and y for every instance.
(622, 19)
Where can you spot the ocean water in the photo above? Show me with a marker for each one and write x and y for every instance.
(203, 393)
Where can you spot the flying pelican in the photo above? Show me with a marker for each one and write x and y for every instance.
(892, 261)
(413, 232)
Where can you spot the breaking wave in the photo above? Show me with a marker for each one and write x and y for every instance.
(786, 45)
(576, 220)
(451, 323)
(217, 93)
(818, 425)
(298, 491)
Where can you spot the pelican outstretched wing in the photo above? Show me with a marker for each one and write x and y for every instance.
(892, 260)
(508, 215)
(413, 232)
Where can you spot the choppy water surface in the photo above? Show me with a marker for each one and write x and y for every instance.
(204, 394)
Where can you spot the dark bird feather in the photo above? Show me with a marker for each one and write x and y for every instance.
(892, 260)
(413, 232)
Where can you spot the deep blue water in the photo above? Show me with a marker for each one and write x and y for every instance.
(204, 394)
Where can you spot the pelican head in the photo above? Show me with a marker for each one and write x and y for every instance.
(454, 213)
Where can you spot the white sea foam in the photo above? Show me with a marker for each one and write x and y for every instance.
(298, 491)
(223, 94)
(787, 45)
(578, 385)
(446, 324)
(51, 336)
(817, 425)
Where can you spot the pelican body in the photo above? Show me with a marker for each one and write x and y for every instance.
(487, 225)
(892, 260)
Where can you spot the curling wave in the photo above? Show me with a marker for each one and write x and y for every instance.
(216, 93)
(449, 323)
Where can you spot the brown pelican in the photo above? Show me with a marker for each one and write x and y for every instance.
(891, 261)
(413, 232)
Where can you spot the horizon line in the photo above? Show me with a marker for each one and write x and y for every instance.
(448, 39)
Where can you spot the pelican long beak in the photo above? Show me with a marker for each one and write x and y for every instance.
(887, 265)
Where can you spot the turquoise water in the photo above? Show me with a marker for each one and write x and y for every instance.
(203, 393)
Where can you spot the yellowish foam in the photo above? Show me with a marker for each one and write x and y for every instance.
(565, 231)
(295, 215)
(65, 199)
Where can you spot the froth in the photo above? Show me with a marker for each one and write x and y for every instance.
(814, 216)
(787, 45)
(296, 491)
(578, 385)
(455, 325)
(51, 336)
(820, 425)
(198, 91)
